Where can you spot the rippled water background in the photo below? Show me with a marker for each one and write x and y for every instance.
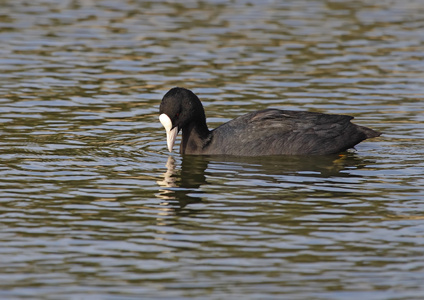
(93, 206)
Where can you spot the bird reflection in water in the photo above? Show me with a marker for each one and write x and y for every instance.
(180, 185)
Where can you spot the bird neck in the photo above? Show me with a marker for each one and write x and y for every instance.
(195, 137)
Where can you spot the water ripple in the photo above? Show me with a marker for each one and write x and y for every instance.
(92, 203)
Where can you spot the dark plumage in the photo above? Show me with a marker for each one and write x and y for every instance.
(264, 132)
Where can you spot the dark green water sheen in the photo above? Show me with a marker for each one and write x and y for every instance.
(94, 207)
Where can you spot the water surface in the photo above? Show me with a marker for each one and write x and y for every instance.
(93, 206)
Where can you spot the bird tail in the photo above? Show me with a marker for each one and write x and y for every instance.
(369, 133)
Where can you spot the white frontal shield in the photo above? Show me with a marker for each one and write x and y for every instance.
(171, 134)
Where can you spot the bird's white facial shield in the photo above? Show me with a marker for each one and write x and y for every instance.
(171, 133)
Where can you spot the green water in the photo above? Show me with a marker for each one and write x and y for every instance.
(94, 207)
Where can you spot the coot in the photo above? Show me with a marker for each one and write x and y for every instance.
(264, 132)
